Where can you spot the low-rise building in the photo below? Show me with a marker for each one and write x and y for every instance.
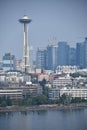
(12, 93)
(14, 77)
(32, 90)
(54, 93)
(62, 81)
(43, 76)
(18, 92)
(66, 69)
(74, 92)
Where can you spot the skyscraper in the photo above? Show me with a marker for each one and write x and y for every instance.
(0, 64)
(41, 58)
(63, 53)
(25, 21)
(52, 57)
(8, 62)
(31, 59)
(85, 53)
(72, 56)
(80, 55)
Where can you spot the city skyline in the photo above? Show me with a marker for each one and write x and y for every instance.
(66, 21)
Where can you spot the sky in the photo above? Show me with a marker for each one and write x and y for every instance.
(52, 21)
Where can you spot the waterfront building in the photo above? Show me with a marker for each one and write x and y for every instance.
(54, 94)
(8, 62)
(11, 93)
(14, 91)
(74, 92)
(33, 90)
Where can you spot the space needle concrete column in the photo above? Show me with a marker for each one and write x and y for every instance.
(25, 21)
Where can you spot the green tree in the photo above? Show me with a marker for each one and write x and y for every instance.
(43, 82)
(77, 100)
(65, 99)
(39, 100)
(46, 91)
(3, 104)
(8, 101)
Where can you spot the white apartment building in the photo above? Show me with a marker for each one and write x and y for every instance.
(62, 81)
(74, 92)
(55, 93)
(66, 69)
(12, 94)
(14, 77)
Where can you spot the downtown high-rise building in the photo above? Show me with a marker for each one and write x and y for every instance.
(80, 55)
(0, 64)
(8, 62)
(51, 57)
(63, 53)
(41, 58)
(72, 56)
(85, 53)
(47, 58)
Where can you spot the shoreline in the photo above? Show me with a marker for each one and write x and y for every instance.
(42, 107)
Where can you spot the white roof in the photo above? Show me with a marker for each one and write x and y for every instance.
(25, 17)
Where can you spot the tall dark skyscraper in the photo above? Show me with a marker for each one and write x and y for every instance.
(85, 53)
(41, 58)
(80, 55)
(63, 53)
(52, 57)
(72, 56)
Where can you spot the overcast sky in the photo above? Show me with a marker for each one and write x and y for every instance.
(66, 20)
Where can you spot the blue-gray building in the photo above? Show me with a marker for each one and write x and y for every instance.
(63, 53)
(8, 62)
(80, 55)
(52, 57)
(54, 93)
(72, 56)
(41, 58)
(85, 53)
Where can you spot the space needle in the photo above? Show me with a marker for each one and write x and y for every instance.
(25, 21)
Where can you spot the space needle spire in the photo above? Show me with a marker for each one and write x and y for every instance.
(25, 21)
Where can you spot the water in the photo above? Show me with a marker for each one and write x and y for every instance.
(44, 120)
